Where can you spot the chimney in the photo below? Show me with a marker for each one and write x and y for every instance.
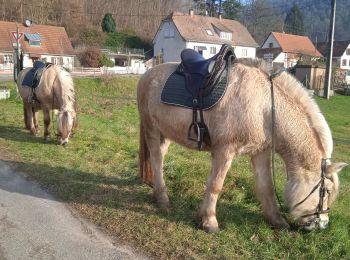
(191, 12)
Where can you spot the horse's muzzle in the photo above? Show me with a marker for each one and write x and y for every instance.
(320, 222)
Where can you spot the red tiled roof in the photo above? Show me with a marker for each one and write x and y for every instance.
(193, 28)
(54, 39)
(296, 44)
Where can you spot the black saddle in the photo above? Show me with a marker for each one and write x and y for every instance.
(201, 76)
(32, 78)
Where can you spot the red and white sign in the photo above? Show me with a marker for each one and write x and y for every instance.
(14, 34)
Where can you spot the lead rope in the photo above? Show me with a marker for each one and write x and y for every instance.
(273, 139)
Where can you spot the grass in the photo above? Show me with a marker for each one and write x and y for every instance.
(97, 173)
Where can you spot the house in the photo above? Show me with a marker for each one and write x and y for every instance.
(44, 42)
(284, 50)
(202, 33)
(341, 52)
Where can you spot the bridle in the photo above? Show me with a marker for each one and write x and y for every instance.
(322, 193)
(321, 182)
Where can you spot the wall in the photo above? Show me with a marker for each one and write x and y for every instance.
(269, 40)
(168, 42)
(347, 58)
(251, 52)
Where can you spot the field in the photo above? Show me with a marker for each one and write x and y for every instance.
(97, 174)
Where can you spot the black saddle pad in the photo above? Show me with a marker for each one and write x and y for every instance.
(176, 93)
(32, 78)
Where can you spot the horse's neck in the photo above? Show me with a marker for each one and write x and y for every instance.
(297, 144)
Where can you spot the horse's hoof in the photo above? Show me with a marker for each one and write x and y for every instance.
(210, 229)
(47, 138)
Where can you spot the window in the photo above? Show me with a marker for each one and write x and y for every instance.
(169, 33)
(8, 59)
(271, 45)
(343, 62)
(212, 50)
(56, 60)
(347, 51)
(244, 53)
(34, 39)
(209, 32)
(226, 36)
(349, 63)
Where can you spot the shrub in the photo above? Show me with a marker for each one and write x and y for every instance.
(108, 24)
(106, 61)
(91, 57)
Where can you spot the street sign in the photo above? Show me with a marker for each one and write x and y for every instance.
(14, 34)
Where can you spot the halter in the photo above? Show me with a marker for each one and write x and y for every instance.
(322, 193)
(321, 182)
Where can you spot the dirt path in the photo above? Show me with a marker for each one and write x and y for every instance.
(34, 225)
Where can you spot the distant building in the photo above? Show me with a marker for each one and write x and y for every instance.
(202, 33)
(44, 42)
(284, 50)
(341, 52)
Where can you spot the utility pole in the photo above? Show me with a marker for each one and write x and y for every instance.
(328, 76)
(16, 68)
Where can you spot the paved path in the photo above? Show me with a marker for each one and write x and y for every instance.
(33, 225)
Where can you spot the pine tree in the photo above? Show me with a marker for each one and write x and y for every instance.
(294, 22)
(108, 23)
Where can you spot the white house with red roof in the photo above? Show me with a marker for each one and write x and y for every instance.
(202, 33)
(284, 50)
(44, 42)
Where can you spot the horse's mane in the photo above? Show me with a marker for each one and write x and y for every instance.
(67, 88)
(294, 89)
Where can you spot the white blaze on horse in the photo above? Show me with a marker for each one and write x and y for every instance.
(55, 91)
(240, 123)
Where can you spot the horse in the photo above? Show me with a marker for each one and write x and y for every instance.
(240, 124)
(55, 91)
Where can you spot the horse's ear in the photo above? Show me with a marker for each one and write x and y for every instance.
(336, 167)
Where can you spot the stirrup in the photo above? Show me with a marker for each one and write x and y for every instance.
(199, 130)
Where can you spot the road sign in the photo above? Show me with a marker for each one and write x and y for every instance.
(14, 34)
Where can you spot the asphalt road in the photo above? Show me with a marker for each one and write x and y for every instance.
(34, 225)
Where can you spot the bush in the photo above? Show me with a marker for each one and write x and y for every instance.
(90, 36)
(108, 23)
(106, 61)
(91, 57)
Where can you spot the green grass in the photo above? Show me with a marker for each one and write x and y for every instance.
(97, 173)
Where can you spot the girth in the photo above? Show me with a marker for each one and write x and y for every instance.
(201, 76)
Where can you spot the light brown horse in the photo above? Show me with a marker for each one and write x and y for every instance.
(241, 124)
(55, 91)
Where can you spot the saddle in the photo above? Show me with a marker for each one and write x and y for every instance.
(33, 76)
(201, 76)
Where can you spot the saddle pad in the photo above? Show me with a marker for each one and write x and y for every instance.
(176, 93)
(32, 78)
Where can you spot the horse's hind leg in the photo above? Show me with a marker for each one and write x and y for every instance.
(35, 118)
(221, 162)
(25, 117)
(28, 111)
(265, 191)
(158, 147)
(46, 124)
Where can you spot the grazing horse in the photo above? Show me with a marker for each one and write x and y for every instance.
(54, 91)
(240, 123)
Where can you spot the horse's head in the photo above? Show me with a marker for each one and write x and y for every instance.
(310, 199)
(65, 124)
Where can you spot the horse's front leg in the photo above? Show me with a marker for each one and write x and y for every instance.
(221, 162)
(46, 124)
(265, 190)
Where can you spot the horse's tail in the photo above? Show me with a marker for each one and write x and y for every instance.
(144, 157)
